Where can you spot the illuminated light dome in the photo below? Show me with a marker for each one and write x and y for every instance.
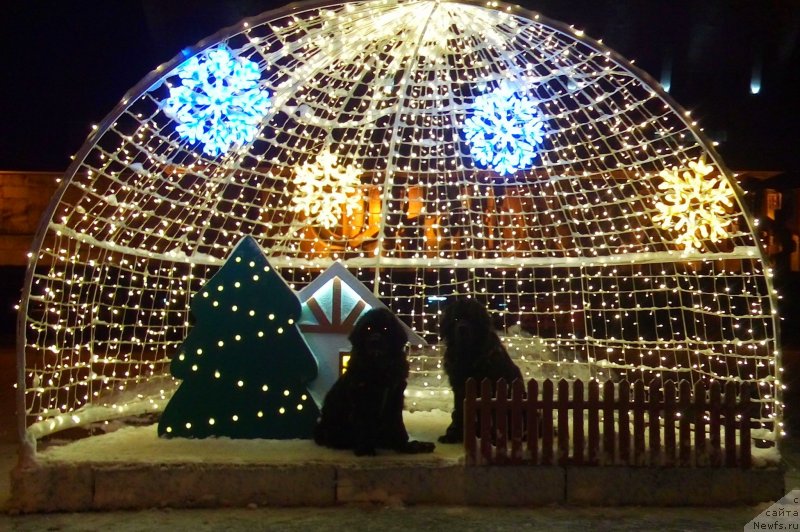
(603, 252)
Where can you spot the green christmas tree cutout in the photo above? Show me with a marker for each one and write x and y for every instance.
(244, 364)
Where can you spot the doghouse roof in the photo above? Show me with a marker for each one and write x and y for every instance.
(342, 301)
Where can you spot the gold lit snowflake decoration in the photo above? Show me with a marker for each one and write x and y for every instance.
(326, 189)
(694, 205)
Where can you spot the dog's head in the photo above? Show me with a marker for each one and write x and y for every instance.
(464, 320)
(378, 331)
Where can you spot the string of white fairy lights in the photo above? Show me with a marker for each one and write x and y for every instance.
(571, 246)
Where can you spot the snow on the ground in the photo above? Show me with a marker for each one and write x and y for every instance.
(138, 445)
(767, 457)
(141, 445)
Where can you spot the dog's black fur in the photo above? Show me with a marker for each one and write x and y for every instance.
(473, 350)
(363, 410)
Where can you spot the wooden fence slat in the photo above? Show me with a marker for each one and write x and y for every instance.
(639, 456)
(547, 422)
(745, 458)
(470, 435)
(654, 405)
(593, 408)
(669, 423)
(684, 425)
(500, 418)
(516, 421)
(485, 421)
(729, 420)
(563, 422)
(609, 457)
(533, 423)
(577, 422)
(714, 406)
(624, 422)
(699, 406)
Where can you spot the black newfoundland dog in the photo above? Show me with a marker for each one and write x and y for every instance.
(474, 350)
(363, 410)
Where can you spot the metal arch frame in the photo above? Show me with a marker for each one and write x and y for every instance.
(300, 7)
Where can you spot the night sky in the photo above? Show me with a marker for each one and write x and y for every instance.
(67, 63)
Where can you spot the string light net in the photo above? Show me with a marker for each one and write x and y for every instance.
(600, 229)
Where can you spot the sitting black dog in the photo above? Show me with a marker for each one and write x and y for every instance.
(363, 410)
(473, 350)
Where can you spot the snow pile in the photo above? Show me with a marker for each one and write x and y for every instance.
(537, 358)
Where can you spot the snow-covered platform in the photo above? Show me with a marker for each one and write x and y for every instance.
(131, 468)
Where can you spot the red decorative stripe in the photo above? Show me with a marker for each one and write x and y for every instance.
(317, 311)
(354, 314)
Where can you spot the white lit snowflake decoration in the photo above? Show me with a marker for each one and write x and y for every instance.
(218, 102)
(694, 205)
(326, 189)
(504, 130)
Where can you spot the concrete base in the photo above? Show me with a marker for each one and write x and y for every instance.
(48, 489)
(132, 468)
(108, 487)
(454, 485)
(631, 486)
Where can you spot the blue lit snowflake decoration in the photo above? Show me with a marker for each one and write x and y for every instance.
(218, 102)
(504, 130)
